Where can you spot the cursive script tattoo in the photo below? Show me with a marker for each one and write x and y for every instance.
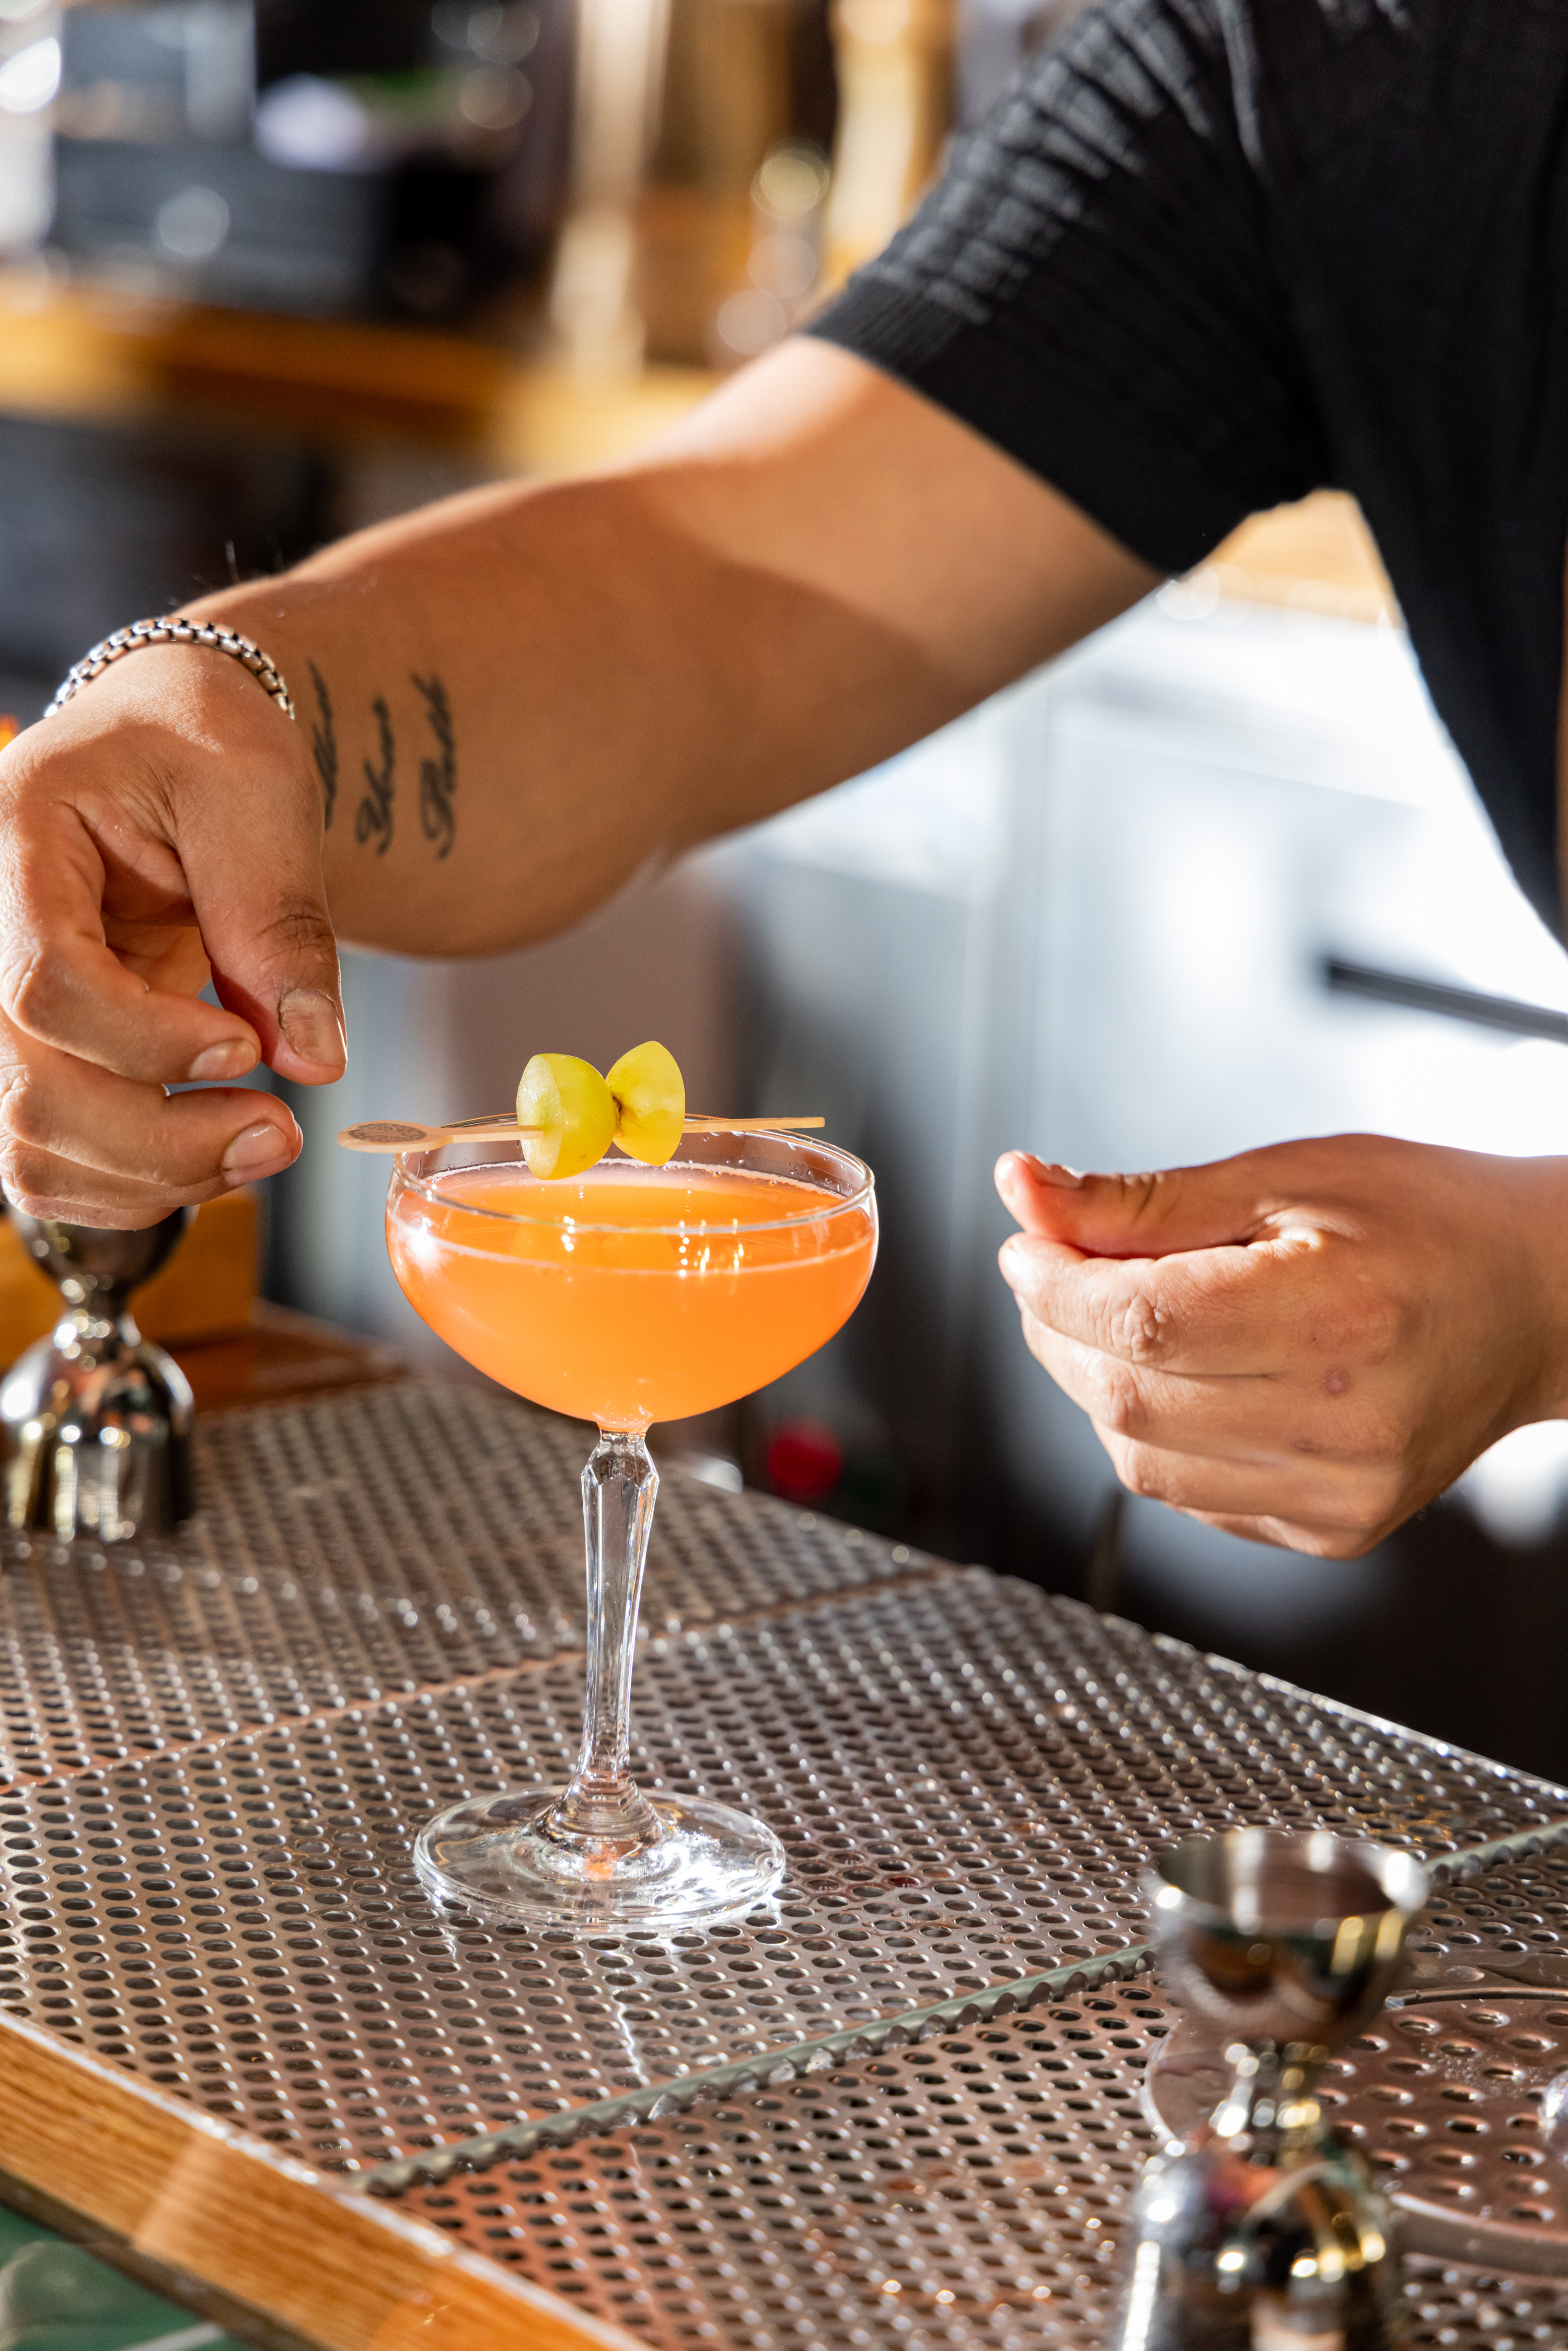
(374, 818)
(324, 742)
(438, 778)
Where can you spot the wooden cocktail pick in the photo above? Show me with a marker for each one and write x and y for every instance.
(413, 1135)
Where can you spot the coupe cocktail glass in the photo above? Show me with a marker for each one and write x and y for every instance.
(624, 1296)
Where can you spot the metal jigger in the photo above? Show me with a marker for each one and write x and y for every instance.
(97, 1420)
(1259, 2230)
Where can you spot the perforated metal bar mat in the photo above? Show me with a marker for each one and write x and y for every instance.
(374, 1617)
(350, 1550)
(961, 2192)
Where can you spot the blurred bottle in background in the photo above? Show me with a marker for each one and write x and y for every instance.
(784, 266)
(895, 62)
(595, 311)
(740, 160)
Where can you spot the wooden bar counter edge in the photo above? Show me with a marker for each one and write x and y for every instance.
(188, 2194)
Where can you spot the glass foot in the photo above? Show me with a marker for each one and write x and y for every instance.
(702, 1865)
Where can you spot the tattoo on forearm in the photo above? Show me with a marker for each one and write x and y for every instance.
(324, 742)
(438, 777)
(374, 818)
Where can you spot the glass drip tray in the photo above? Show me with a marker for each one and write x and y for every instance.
(1443, 2096)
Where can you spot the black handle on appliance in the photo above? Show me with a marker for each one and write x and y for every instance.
(1345, 978)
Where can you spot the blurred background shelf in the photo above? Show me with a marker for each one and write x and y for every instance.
(90, 356)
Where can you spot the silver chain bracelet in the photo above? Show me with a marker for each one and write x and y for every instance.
(265, 671)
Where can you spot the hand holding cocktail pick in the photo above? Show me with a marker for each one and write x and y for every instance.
(1261, 2226)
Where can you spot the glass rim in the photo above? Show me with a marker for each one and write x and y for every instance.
(430, 1189)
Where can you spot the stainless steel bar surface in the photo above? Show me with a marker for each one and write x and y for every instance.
(218, 1750)
(967, 2190)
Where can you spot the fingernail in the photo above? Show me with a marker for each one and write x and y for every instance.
(234, 1059)
(1051, 1171)
(309, 1021)
(1012, 1261)
(257, 1151)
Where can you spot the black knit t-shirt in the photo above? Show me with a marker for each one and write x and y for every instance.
(1207, 256)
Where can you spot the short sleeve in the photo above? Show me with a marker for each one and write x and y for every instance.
(1092, 285)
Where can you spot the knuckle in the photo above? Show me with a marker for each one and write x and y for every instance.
(1144, 1471)
(48, 1210)
(301, 928)
(1120, 1405)
(1366, 1330)
(30, 992)
(1141, 1328)
(1354, 1517)
(1150, 1195)
(19, 1104)
(32, 1180)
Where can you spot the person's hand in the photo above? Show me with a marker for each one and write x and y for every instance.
(1306, 1344)
(164, 828)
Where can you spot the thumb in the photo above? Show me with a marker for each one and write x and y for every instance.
(257, 887)
(1132, 1215)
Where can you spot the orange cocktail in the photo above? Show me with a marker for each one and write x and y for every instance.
(632, 1294)
(625, 1295)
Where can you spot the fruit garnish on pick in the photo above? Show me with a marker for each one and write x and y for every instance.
(567, 1115)
(651, 1098)
(572, 1113)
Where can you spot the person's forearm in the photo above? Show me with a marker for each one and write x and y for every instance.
(512, 706)
(518, 698)
(507, 706)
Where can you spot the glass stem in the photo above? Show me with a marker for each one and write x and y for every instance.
(601, 1805)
